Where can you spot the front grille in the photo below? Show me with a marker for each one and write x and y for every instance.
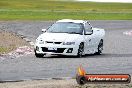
(57, 42)
(53, 42)
(59, 50)
(48, 42)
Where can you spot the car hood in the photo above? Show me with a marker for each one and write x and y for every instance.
(60, 37)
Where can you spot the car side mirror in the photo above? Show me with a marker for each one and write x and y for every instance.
(43, 30)
(89, 32)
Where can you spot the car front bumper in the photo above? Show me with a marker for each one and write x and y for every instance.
(56, 49)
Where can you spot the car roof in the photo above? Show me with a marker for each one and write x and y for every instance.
(70, 20)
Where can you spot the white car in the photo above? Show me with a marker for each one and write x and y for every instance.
(70, 37)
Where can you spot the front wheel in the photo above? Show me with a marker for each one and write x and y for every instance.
(39, 55)
(80, 50)
(100, 47)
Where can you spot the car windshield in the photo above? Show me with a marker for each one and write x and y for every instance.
(66, 27)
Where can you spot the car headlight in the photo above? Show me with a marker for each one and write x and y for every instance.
(68, 43)
(39, 41)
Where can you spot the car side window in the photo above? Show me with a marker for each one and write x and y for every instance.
(88, 27)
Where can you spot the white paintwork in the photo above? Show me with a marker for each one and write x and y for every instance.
(91, 42)
(43, 30)
(70, 20)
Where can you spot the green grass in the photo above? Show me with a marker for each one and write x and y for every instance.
(54, 10)
(29, 15)
(3, 49)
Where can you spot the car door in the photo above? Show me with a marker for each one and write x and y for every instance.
(89, 38)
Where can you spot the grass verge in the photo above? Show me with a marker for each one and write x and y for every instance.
(7, 42)
(54, 10)
(33, 15)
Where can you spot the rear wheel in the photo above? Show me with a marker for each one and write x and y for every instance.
(100, 47)
(80, 50)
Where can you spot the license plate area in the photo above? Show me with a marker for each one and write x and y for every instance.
(51, 48)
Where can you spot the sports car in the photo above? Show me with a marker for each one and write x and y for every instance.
(70, 37)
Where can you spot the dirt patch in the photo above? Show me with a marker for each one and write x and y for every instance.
(10, 41)
(70, 83)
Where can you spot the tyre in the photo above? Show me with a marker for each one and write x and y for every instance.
(100, 48)
(39, 55)
(80, 50)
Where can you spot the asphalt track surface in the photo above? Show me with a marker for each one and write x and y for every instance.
(116, 57)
